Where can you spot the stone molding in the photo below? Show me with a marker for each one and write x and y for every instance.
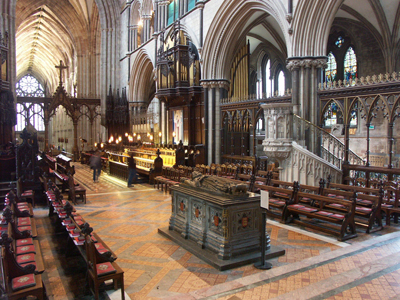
(306, 62)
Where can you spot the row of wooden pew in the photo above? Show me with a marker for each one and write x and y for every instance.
(331, 204)
(329, 207)
(236, 172)
(59, 170)
(21, 257)
(99, 257)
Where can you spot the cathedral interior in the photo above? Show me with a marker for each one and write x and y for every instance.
(232, 111)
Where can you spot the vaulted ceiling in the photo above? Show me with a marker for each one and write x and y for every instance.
(49, 31)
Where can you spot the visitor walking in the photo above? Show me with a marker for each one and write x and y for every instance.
(95, 164)
(132, 170)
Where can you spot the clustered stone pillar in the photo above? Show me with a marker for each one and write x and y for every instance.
(305, 73)
(162, 14)
(133, 37)
(164, 123)
(214, 92)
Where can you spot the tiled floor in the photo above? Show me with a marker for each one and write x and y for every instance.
(127, 219)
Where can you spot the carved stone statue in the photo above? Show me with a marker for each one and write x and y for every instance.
(215, 184)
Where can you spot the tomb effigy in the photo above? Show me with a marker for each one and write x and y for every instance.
(218, 220)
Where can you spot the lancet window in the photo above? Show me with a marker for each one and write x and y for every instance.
(350, 64)
(331, 70)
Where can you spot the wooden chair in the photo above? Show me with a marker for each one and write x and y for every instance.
(97, 271)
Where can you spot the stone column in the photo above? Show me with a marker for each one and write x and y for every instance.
(75, 150)
(164, 123)
(221, 91)
(200, 5)
(133, 40)
(208, 146)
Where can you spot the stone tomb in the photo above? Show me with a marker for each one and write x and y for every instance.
(223, 230)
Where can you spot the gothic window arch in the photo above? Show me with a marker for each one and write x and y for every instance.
(350, 64)
(264, 84)
(331, 69)
(29, 86)
(280, 85)
(268, 81)
(342, 58)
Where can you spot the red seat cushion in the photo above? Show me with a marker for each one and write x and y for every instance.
(24, 221)
(296, 205)
(105, 268)
(24, 242)
(337, 216)
(324, 213)
(363, 209)
(337, 205)
(22, 282)
(308, 209)
(25, 258)
(23, 228)
(25, 249)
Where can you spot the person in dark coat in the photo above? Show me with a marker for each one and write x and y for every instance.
(132, 170)
(95, 164)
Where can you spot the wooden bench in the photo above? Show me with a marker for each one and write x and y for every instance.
(367, 211)
(345, 225)
(18, 281)
(21, 227)
(277, 198)
(98, 256)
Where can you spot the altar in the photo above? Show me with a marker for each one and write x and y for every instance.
(224, 231)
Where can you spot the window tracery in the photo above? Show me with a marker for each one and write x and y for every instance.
(29, 86)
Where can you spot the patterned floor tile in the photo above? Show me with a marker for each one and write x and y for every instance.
(156, 268)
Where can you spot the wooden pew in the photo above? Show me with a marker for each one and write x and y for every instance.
(366, 215)
(345, 228)
(19, 281)
(277, 198)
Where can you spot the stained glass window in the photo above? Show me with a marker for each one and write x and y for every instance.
(339, 42)
(331, 70)
(353, 118)
(350, 65)
(191, 4)
(330, 115)
(28, 86)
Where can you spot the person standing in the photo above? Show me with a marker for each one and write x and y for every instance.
(95, 164)
(132, 170)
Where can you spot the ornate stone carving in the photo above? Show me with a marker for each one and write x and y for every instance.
(215, 184)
